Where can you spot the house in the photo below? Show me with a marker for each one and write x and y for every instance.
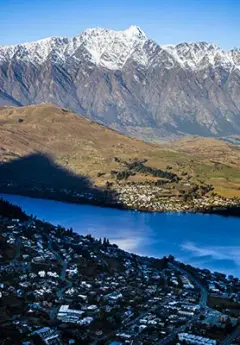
(114, 296)
(195, 339)
(48, 336)
(65, 314)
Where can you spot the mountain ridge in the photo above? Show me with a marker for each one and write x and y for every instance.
(128, 82)
(133, 32)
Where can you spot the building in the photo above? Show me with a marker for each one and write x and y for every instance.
(48, 336)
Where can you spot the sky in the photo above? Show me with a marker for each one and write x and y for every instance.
(165, 21)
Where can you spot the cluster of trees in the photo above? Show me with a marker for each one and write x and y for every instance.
(140, 167)
(11, 211)
(105, 241)
(123, 175)
(196, 191)
(205, 189)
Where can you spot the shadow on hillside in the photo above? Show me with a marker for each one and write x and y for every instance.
(37, 175)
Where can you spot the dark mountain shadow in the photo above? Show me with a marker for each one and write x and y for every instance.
(37, 175)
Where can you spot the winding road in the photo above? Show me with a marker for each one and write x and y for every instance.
(203, 303)
(203, 290)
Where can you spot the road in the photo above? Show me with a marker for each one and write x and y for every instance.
(165, 280)
(62, 277)
(203, 290)
(131, 322)
(18, 243)
(180, 329)
(202, 302)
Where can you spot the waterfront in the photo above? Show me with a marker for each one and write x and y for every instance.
(209, 241)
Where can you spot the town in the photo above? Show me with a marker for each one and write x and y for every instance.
(61, 288)
(141, 197)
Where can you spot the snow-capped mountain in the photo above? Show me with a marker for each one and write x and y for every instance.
(128, 82)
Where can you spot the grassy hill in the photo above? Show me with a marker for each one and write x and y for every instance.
(105, 157)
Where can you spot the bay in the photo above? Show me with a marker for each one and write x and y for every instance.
(202, 240)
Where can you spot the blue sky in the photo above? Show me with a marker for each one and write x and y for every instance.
(165, 21)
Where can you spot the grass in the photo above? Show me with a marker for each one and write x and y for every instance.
(87, 148)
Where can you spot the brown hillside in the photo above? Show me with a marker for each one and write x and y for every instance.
(209, 149)
(92, 150)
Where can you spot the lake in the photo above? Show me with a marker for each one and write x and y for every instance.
(206, 241)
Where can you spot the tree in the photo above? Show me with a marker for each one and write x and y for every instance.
(171, 258)
(164, 262)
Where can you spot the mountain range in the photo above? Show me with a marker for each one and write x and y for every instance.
(128, 82)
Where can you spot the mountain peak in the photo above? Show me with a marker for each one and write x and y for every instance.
(109, 48)
(136, 31)
(128, 82)
(133, 33)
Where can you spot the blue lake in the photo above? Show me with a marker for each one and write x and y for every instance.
(208, 241)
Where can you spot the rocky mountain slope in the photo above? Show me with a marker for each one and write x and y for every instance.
(54, 153)
(128, 82)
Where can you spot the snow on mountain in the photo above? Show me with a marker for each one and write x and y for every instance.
(105, 47)
(36, 52)
(111, 49)
(128, 82)
(202, 54)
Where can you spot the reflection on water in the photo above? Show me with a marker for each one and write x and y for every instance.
(209, 241)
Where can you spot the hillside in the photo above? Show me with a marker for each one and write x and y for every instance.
(128, 82)
(61, 287)
(207, 149)
(48, 146)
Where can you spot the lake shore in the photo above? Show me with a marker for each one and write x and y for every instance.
(206, 205)
(208, 240)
